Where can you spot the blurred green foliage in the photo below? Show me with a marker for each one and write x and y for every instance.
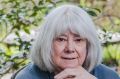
(25, 15)
(17, 16)
(112, 55)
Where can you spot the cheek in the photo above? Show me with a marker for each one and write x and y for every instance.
(57, 51)
(82, 52)
(82, 49)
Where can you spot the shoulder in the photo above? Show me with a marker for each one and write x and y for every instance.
(104, 72)
(31, 71)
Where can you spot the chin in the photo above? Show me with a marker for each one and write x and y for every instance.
(69, 66)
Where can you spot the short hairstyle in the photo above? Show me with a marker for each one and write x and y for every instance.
(60, 19)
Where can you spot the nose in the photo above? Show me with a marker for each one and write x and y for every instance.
(70, 48)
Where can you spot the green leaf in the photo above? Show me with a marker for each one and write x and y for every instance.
(92, 13)
(26, 30)
(97, 10)
(17, 33)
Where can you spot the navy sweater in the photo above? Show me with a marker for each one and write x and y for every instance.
(31, 71)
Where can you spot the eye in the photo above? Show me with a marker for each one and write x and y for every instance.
(61, 39)
(78, 39)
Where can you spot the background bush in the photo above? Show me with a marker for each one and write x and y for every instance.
(19, 21)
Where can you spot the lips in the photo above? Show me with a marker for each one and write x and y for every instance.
(68, 58)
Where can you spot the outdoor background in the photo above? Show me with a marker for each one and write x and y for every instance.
(19, 21)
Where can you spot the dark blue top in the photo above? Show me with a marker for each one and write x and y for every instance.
(33, 72)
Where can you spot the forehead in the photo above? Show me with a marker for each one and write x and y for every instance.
(77, 32)
(67, 33)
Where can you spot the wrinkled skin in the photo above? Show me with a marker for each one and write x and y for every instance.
(69, 53)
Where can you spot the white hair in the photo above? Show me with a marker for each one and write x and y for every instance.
(58, 21)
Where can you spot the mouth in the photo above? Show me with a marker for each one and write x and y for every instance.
(67, 58)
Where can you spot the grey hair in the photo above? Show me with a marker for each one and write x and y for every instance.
(58, 21)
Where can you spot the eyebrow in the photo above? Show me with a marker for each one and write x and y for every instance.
(75, 35)
(63, 35)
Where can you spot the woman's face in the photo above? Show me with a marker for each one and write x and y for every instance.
(69, 50)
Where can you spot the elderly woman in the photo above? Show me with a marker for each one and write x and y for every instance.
(67, 47)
